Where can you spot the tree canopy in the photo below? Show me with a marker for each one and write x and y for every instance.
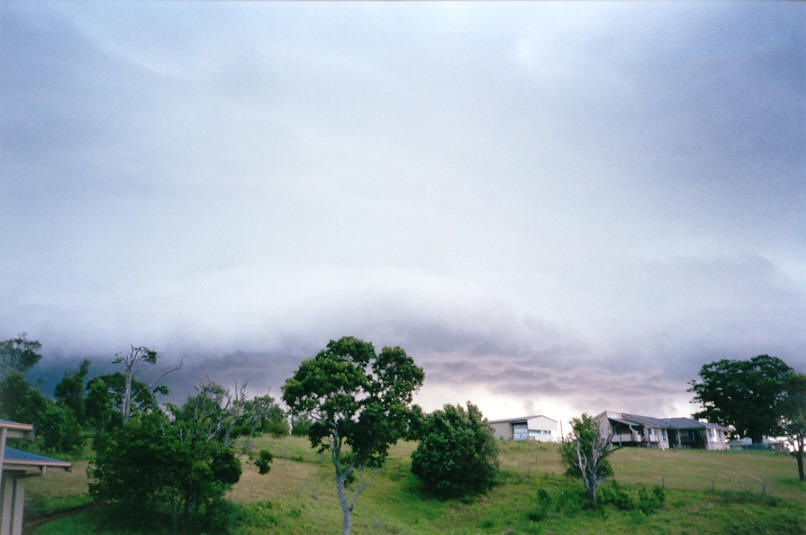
(457, 454)
(19, 354)
(360, 404)
(747, 395)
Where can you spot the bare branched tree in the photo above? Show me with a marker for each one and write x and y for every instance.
(585, 454)
(130, 360)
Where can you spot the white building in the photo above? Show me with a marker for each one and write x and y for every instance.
(540, 428)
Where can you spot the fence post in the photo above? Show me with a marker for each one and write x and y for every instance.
(763, 488)
(663, 482)
(712, 484)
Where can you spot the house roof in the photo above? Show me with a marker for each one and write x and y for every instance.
(655, 422)
(668, 423)
(685, 423)
(625, 422)
(690, 423)
(24, 459)
(521, 419)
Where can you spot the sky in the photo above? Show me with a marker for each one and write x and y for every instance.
(554, 208)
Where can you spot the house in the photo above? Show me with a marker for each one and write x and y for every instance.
(17, 466)
(648, 431)
(540, 428)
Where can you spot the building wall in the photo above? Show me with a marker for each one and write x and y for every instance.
(502, 430)
(717, 442)
(548, 429)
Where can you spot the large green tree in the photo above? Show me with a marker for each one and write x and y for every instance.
(747, 395)
(457, 454)
(360, 402)
(70, 390)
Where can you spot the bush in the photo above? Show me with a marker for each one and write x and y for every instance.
(151, 466)
(543, 506)
(457, 455)
(614, 494)
(649, 502)
(59, 429)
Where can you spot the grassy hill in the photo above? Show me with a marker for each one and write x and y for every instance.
(752, 493)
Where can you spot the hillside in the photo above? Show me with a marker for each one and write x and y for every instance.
(298, 496)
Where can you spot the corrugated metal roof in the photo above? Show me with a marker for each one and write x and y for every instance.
(13, 455)
(685, 423)
(625, 422)
(522, 419)
(656, 422)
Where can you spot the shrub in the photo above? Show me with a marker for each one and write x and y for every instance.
(59, 429)
(151, 466)
(457, 455)
(617, 496)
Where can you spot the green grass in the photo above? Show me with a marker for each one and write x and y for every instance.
(298, 496)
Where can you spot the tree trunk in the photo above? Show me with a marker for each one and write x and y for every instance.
(346, 510)
(757, 437)
(799, 456)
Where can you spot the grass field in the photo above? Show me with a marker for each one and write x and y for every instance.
(752, 493)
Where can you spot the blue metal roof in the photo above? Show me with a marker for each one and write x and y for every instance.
(14, 455)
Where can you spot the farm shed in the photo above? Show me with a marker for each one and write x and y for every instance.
(17, 466)
(540, 428)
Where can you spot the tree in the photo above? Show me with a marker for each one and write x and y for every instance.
(747, 395)
(18, 354)
(70, 390)
(585, 454)
(262, 415)
(300, 425)
(57, 428)
(100, 404)
(151, 462)
(19, 401)
(794, 422)
(360, 404)
(457, 454)
(130, 360)
(104, 402)
(184, 459)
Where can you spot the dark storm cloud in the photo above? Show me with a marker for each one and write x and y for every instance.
(575, 204)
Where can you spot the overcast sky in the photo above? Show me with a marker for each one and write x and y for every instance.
(553, 207)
